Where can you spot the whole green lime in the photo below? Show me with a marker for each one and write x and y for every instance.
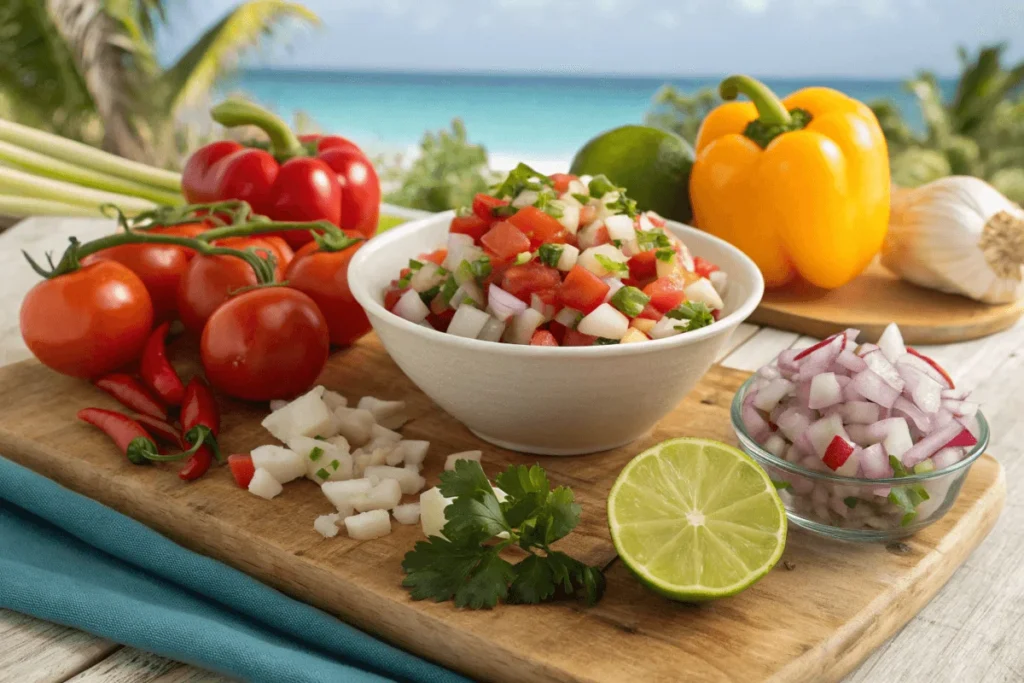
(652, 164)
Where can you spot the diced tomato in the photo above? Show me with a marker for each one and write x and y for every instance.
(538, 226)
(543, 338)
(438, 305)
(442, 320)
(717, 315)
(651, 313)
(558, 330)
(561, 181)
(471, 225)
(392, 296)
(601, 236)
(702, 267)
(437, 257)
(666, 293)
(574, 338)
(242, 469)
(498, 267)
(484, 205)
(505, 240)
(404, 272)
(549, 296)
(583, 290)
(656, 221)
(643, 265)
(587, 214)
(522, 281)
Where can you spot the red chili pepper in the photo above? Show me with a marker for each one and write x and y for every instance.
(162, 430)
(242, 468)
(200, 416)
(133, 394)
(157, 371)
(134, 441)
(321, 179)
(197, 465)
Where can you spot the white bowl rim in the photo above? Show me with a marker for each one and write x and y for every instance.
(360, 290)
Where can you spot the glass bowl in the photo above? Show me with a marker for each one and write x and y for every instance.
(855, 508)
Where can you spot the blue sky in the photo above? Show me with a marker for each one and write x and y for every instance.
(856, 38)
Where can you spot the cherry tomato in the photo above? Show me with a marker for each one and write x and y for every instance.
(264, 344)
(159, 266)
(272, 245)
(484, 205)
(323, 275)
(538, 226)
(666, 293)
(582, 290)
(522, 281)
(505, 240)
(89, 322)
(209, 280)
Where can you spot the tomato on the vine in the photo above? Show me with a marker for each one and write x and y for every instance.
(210, 280)
(267, 343)
(88, 322)
(159, 266)
(323, 276)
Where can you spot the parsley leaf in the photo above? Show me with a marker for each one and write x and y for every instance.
(611, 265)
(466, 566)
(544, 202)
(522, 177)
(549, 254)
(695, 313)
(630, 301)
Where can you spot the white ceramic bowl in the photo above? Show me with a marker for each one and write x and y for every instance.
(548, 400)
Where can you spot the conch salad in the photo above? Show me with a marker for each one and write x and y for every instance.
(558, 261)
(869, 411)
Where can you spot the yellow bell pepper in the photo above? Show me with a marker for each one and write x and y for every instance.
(801, 185)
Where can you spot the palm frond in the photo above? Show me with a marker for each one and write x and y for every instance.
(190, 79)
(929, 98)
(983, 85)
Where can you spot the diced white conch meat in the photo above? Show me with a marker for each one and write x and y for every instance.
(264, 485)
(354, 424)
(407, 514)
(327, 525)
(281, 463)
(368, 525)
(388, 414)
(307, 415)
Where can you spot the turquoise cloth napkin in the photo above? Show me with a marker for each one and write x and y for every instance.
(67, 559)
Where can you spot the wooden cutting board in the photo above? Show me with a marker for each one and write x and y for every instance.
(877, 298)
(816, 616)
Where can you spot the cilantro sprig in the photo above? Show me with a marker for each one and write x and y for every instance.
(601, 186)
(695, 313)
(522, 177)
(466, 564)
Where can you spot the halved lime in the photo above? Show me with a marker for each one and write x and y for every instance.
(696, 519)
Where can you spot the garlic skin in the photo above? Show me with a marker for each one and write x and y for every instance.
(958, 235)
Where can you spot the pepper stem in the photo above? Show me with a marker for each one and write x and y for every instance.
(235, 112)
(770, 109)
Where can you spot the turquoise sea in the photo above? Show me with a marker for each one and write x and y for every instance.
(536, 117)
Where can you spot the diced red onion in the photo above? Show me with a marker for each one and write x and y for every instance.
(768, 372)
(803, 393)
(929, 445)
(956, 394)
(824, 391)
(924, 367)
(865, 349)
(874, 388)
(891, 343)
(961, 408)
(774, 391)
(894, 433)
(904, 408)
(859, 412)
(851, 361)
(568, 317)
(537, 304)
(843, 380)
(775, 445)
(793, 423)
(814, 348)
(858, 433)
(821, 433)
(880, 365)
(821, 358)
(754, 423)
(972, 425)
(787, 361)
(502, 304)
(947, 457)
(850, 392)
(875, 463)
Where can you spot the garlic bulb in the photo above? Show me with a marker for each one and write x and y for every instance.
(958, 235)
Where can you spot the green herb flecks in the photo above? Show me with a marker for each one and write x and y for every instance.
(665, 254)
(522, 177)
(605, 341)
(652, 239)
(908, 497)
(630, 301)
(611, 265)
(549, 254)
(316, 453)
(695, 313)
(466, 565)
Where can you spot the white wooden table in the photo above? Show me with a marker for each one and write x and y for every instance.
(973, 631)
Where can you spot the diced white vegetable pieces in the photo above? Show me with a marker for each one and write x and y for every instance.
(588, 258)
(568, 258)
(703, 291)
(384, 495)
(825, 391)
(523, 325)
(324, 461)
(492, 330)
(277, 404)
(457, 246)
(327, 525)
(773, 392)
(604, 321)
(468, 322)
(666, 327)
(409, 481)
(341, 493)
(570, 218)
(354, 424)
(720, 281)
(432, 505)
(427, 277)
(264, 485)
(333, 400)
(368, 525)
(633, 336)
(389, 414)
(891, 343)
(620, 227)
(382, 437)
(281, 463)
(307, 415)
(475, 456)
(412, 452)
(407, 514)
(411, 307)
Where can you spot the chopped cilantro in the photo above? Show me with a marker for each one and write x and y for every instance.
(611, 265)
(549, 254)
(448, 289)
(315, 454)
(605, 341)
(320, 438)
(522, 177)
(544, 202)
(630, 301)
(504, 211)
(623, 204)
(428, 295)
(581, 198)
(323, 474)
(600, 186)
(696, 313)
(652, 239)
(617, 244)
(665, 254)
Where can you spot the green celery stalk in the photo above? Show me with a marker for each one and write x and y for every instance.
(26, 207)
(40, 164)
(15, 182)
(83, 155)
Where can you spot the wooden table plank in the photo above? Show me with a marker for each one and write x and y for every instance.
(129, 665)
(34, 651)
(761, 348)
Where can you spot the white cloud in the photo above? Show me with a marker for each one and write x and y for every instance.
(874, 9)
(666, 19)
(754, 6)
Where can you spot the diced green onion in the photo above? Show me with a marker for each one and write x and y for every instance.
(611, 265)
(550, 254)
(581, 198)
(19, 183)
(523, 257)
(315, 454)
(600, 186)
(414, 265)
(665, 254)
(851, 501)
(630, 301)
(322, 473)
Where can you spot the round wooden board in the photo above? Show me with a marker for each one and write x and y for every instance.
(877, 298)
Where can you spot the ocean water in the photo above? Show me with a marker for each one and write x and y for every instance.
(544, 119)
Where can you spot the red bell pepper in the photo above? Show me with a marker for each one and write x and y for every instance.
(323, 178)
